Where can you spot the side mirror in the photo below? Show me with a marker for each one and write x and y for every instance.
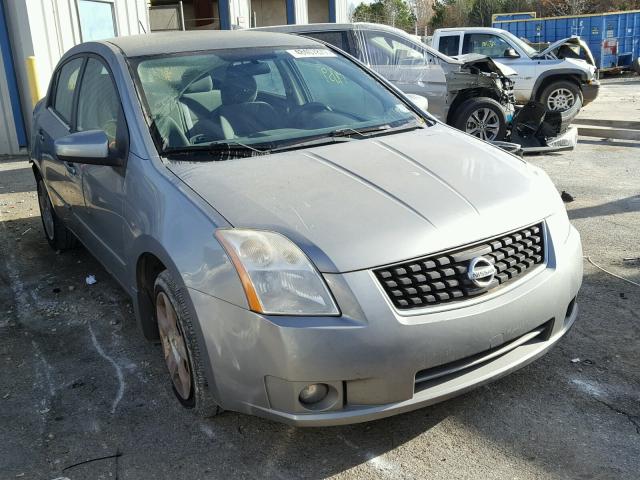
(91, 147)
(419, 101)
(511, 53)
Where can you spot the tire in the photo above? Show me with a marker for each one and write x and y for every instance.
(561, 96)
(196, 396)
(471, 115)
(57, 235)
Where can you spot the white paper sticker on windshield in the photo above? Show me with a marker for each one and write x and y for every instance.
(311, 53)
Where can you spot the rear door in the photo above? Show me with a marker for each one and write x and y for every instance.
(102, 218)
(63, 179)
(409, 66)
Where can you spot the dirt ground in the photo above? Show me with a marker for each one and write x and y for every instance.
(78, 383)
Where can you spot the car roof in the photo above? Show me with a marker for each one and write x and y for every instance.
(471, 29)
(199, 40)
(318, 27)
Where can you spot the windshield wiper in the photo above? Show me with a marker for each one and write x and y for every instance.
(369, 132)
(362, 132)
(225, 150)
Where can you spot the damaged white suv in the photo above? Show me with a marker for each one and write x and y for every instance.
(562, 76)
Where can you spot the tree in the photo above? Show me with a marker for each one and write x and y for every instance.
(396, 13)
(483, 10)
(424, 12)
(567, 7)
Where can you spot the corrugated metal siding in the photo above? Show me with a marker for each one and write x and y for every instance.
(8, 140)
(12, 131)
(623, 27)
(48, 28)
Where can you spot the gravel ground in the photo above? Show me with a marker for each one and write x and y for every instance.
(79, 383)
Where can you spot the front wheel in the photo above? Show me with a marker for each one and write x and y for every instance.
(58, 236)
(180, 348)
(561, 96)
(481, 117)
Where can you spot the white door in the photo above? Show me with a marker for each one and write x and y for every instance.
(496, 47)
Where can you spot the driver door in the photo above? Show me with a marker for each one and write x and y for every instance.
(102, 218)
(63, 179)
(408, 66)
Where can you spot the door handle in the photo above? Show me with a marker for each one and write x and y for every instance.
(71, 168)
(41, 135)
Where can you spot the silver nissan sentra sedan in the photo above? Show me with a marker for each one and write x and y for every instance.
(306, 244)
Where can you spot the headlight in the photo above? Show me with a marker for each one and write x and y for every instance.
(276, 275)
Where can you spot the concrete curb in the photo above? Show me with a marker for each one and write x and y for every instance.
(618, 129)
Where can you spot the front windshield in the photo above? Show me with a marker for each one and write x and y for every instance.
(263, 98)
(528, 49)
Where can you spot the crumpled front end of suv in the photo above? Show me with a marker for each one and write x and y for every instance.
(491, 71)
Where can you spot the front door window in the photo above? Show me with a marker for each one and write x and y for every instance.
(485, 44)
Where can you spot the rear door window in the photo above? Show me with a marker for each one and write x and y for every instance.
(449, 45)
(66, 83)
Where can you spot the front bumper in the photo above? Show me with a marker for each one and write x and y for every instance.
(373, 354)
(590, 91)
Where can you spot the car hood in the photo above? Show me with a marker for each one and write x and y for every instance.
(575, 41)
(485, 64)
(365, 203)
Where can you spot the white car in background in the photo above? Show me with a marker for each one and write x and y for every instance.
(562, 76)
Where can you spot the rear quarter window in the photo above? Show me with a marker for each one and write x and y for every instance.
(337, 39)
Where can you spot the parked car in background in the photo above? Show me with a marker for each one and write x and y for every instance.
(306, 244)
(562, 76)
(473, 94)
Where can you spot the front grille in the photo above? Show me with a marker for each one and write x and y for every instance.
(442, 278)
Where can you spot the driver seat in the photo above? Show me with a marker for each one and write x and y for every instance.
(240, 114)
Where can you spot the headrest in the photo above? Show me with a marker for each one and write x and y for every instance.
(238, 88)
(204, 84)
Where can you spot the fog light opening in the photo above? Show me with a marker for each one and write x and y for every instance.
(314, 393)
(318, 396)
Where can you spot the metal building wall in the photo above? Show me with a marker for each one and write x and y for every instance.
(297, 12)
(12, 132)
(46, 29)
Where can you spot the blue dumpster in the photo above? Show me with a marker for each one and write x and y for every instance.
(614, 38)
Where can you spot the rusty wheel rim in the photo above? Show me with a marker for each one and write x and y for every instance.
(174, 347)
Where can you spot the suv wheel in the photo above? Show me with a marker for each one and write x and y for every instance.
(180, 348)
(560, 96)
(58, 236)
(481, 117)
